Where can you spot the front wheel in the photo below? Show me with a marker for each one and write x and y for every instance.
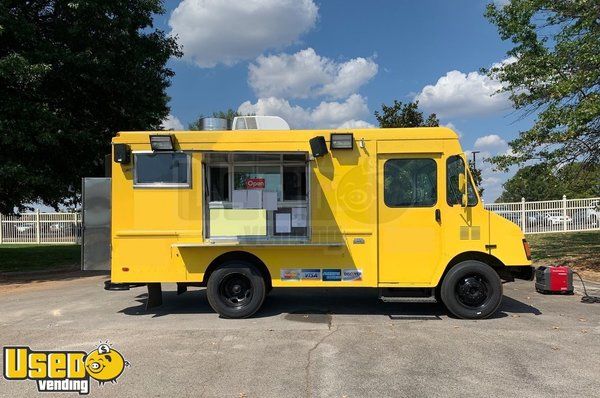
(472, 290)
(236, 290)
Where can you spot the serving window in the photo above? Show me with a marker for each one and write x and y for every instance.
(256, 195)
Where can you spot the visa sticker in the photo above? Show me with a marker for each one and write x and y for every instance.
(332, 275)
(352, 275)
(310, 274)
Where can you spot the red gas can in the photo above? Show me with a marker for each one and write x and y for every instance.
(557, 279)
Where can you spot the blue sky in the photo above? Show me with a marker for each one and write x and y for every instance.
(326, 64)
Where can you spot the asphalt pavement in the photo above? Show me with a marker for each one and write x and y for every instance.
(309, 343)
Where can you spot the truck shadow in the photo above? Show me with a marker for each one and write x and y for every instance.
(317, 305)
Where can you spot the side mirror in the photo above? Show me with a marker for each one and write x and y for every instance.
(462, 188)
(462, 183)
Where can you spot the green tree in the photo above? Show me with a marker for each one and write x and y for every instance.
(229, 114)
(580, 180)
(404, 115)
(554, 73)
(532, 183)
(543, 182)
(72, 74)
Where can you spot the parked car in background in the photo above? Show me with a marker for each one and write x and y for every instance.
(61, 231)
(512, 216)
(588, 216)
(593, 212)
(57, 226)
(536, 218)
(23, 228)
(556, 218)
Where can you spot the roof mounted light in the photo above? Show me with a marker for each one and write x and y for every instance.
(341, 141)
(161, 142)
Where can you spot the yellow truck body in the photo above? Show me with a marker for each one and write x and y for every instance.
(366, 215)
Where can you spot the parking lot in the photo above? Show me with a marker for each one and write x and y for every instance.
(324, 343)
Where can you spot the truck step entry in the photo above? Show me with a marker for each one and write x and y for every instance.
(388, 299)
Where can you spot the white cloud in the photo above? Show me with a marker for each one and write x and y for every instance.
(501, 3)
(507, 61)
(216, 32)
(491, 142)
(325, 115)
(296, 116)
(171, 123)
(356, 124)
(492, 180)
(307, 74)
(349, 77)
(334, 113)
(464, 94)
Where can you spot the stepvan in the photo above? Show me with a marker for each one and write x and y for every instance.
(244, 211)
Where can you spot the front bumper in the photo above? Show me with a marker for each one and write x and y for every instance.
(525, 272)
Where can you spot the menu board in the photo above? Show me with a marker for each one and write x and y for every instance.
(254, 199)
(299, 217)
(283, 223)
(290, 221)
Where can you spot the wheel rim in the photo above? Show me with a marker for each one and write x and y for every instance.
(236, 290)
(473, 290)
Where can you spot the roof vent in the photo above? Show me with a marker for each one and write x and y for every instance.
(260, 123)
(214, 124)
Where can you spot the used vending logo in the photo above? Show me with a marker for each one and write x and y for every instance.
(64, 371)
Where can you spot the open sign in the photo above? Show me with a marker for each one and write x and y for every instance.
(255, 183)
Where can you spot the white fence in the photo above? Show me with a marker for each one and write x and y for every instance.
(566, 215)
(40, 228)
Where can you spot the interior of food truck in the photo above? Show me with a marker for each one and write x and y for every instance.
(256, 196)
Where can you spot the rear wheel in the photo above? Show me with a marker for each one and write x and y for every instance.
(472, 290)
(236, 290)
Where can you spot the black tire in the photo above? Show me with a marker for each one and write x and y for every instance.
(472, 290)
(236, 289)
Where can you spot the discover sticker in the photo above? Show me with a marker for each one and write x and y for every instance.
(352, 275)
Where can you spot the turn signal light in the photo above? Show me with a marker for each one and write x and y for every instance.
(527, 249)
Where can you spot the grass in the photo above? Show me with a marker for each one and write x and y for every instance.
(578, 250)
(38, 257)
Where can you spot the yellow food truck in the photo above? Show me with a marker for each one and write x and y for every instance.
(243, 211)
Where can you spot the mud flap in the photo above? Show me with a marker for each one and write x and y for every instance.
(108, 285)
(181, 288)
(154, 295)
